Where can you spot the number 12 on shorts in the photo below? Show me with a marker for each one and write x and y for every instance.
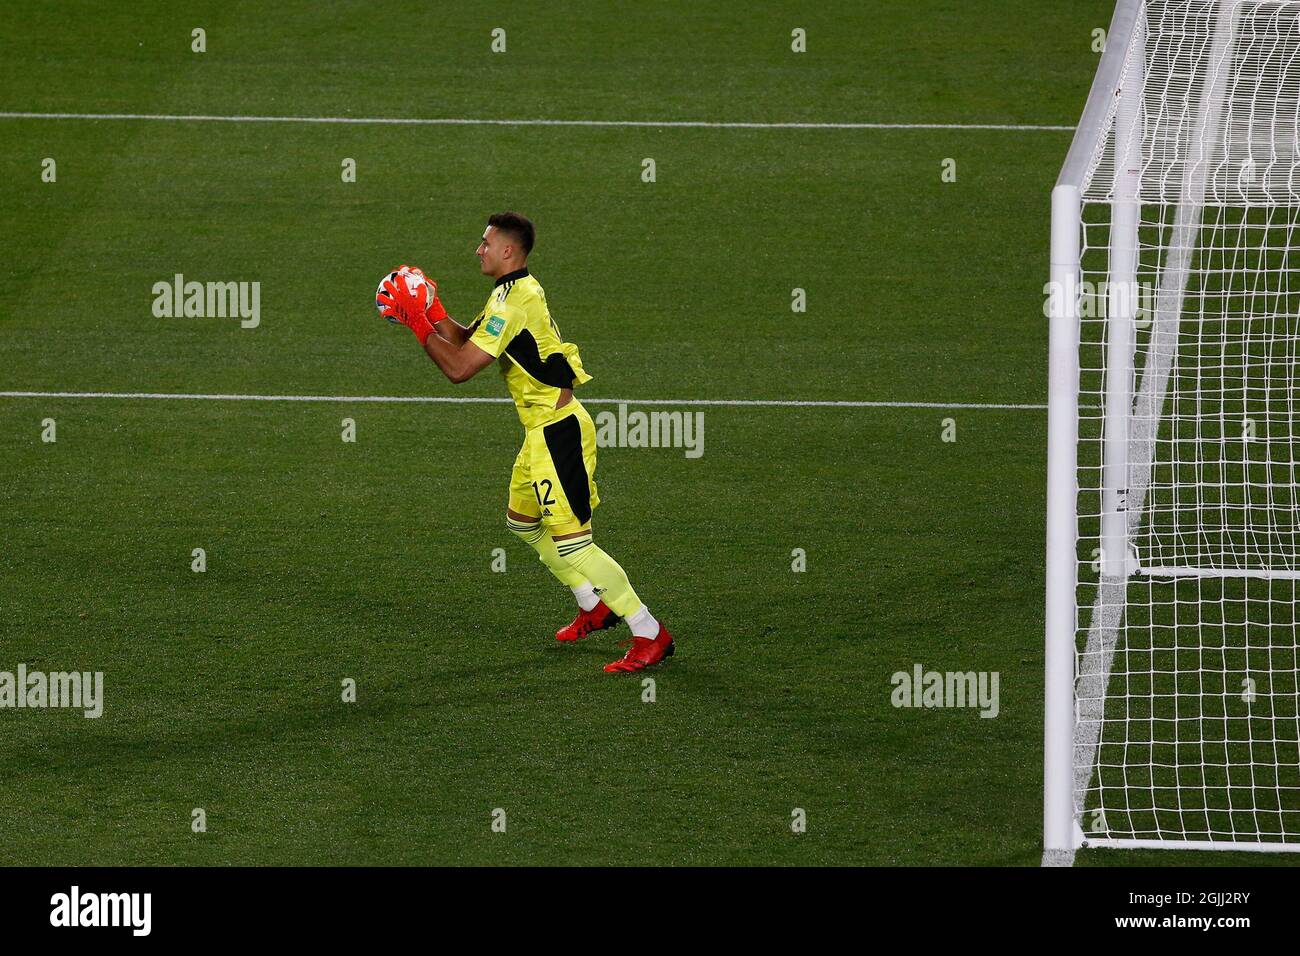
(543, 499)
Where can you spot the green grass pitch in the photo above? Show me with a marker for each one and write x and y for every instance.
(371, 560)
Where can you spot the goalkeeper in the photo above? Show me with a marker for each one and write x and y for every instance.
(553, 484)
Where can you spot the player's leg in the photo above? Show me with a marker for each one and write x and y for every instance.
(533, 533)
(564, 476)
(651, 641)
(523, 517)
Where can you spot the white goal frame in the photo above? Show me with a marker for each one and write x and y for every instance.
(1134, 401)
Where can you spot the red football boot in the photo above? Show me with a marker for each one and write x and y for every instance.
(597, 619)
(644, 652)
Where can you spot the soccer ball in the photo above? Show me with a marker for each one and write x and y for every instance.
(415, 285)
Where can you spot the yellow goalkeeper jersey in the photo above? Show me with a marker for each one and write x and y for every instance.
(516, 328)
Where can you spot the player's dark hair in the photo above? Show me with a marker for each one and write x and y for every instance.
(521, 227)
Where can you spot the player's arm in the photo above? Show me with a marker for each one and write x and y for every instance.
(459, 363)
(451, 330)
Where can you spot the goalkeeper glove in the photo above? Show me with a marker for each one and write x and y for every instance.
(434, 312)
(406, 307)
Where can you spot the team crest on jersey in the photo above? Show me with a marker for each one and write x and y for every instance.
(495, 325)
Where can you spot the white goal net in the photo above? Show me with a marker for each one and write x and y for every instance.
(1173, 576)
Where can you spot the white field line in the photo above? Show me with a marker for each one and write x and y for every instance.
(476, 121)
(459, 400)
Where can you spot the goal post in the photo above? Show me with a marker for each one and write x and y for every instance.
(1173, 501)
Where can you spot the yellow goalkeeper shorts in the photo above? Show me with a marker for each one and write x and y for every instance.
(554, 477)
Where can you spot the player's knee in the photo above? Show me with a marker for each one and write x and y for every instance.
(530, 531)
(574, 551)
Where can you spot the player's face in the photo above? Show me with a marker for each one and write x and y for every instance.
(489, 251)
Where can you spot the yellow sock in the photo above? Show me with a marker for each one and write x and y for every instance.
(587, 560)
(544, 545)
